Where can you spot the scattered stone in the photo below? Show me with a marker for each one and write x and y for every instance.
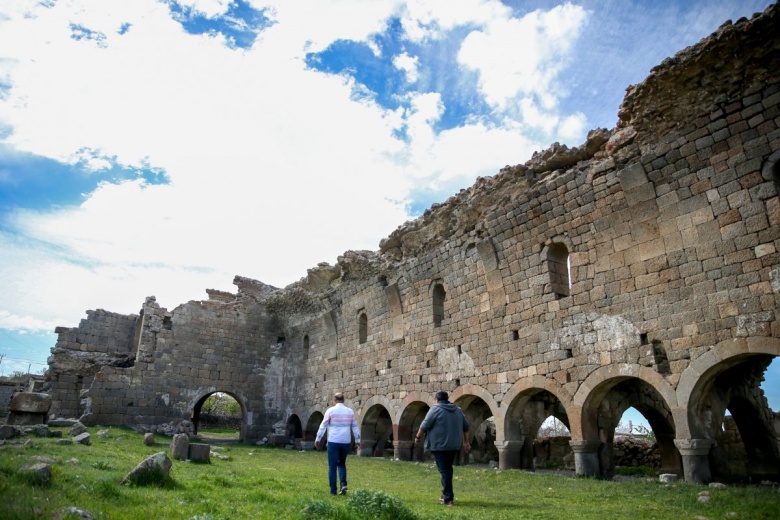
(62, 422)
(44, 459)
(200, 453)
(74, 512)
(84, 439)
(717, 485)
(8, 431)
(28, 408)
(180, 446)
(82, 487)
(75, 461)
(29, 443)
(40, 472)
(768, 483)
(55, 433)
(77, 429)
(493, 464)
(220, 456)
(668, 477)
(41, 430)
(149, 439)
(157, 465)
(64, 441)
(102, 433)
(704, 499)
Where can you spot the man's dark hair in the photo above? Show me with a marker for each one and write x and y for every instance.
(441, 395)
(339, 397)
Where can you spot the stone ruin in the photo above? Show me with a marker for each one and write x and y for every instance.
(640, 269)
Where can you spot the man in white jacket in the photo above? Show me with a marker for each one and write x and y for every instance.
(339, 421)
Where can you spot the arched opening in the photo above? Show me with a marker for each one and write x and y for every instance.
(362, 327)
(735, 413)
(410, 421)
(438, 296)
(376, 432)
(558, 268)
(219, 416)
(483, 429)
(537, 422)
(603, 412)
(294, 432)
(310, 433)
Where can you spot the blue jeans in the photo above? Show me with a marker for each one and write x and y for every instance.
(337, 459)
(444, 462)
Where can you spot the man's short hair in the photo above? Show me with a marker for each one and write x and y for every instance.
(441, 395)
(339, 397)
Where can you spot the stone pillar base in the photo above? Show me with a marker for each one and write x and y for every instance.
(402, 450)
(695, 459)
(586, 458)
(509, 454)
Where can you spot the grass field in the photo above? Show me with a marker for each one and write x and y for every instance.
(268, 483)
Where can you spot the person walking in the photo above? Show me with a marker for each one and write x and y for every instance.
(447, 430)
(339, 421)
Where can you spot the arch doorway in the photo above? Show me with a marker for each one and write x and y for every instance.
(219, 416)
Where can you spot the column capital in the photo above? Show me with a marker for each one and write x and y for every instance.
(580, 446)
(694, 446)
(509, 445)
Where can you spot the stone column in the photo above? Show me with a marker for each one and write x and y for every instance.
(402, 450)
(366, 447)
(695, 459)
(509, 454)
(586, 457)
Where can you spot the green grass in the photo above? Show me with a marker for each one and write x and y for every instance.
(267, 483)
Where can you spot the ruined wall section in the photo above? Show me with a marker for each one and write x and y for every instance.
(671, 225)
(102, 339)
(228, 343)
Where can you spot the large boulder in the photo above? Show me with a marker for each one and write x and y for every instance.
(152, 470)
(28, 408)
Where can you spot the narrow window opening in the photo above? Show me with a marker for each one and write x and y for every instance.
(280, 341)
(428, 364)
(558, 268)
(420, 379)
(324, 377)
(660, 358)
(438, 304)
(457, 382)
(167, 323)
(362, 328)
(377, 372)
(643, 339)
(515, 335)
(460, 350)
(306, 347)
(389, 364)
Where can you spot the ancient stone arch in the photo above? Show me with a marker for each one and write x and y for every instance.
(671, 223)
(525, 407)
(197, 404)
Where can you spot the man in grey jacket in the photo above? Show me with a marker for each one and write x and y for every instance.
(447, 430)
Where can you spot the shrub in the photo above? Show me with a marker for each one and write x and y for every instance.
(379, 505)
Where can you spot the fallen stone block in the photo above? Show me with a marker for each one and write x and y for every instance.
(152, 470)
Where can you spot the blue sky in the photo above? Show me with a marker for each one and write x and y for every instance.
(162, 147)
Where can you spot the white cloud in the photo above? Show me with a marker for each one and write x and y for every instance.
(521, 59)
(408, 64)
(273, 167)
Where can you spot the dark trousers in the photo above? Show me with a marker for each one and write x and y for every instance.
(444, 462)
(337, 460)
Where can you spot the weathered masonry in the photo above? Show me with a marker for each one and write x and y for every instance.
(638, 270)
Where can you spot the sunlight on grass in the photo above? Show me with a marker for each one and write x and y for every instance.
(267, 483)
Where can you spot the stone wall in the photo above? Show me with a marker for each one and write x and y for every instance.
(640, 269)
(6, 392)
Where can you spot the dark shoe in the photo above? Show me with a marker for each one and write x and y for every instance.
(343, 491)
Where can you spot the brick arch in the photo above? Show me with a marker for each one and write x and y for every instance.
(521, 392)
(202, 394)
(376, 427)
(697, 378)
(600, 382)
(477, 391)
